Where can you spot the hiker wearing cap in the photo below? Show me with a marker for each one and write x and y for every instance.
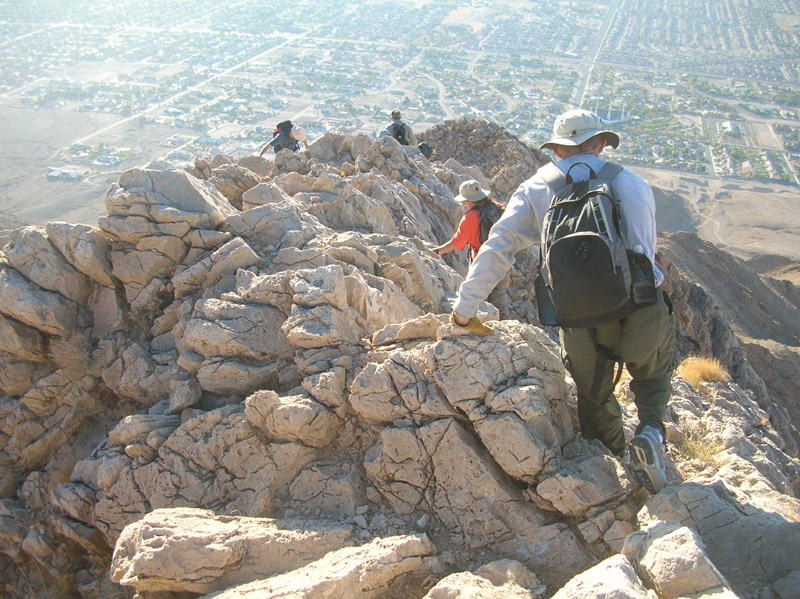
(286, 136)
(401, 130)
(643, 339)
(474, 199)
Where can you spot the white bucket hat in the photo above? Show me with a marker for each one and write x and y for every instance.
(298, 133)
(576, 126)
(471, 191)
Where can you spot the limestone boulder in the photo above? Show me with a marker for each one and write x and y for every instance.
(46, 311)
(132, 372)
(233, 181)
(169, 197)
(584, 483)
(240, 346)
(203, 167)
(671, 559)
(15, 523)
(503, 579)
(740, 538)
(292, 418)
(151, 213)
(494, 152)
(18, 375)
(268, 227)
(167, 550)
(338, 205)
(613, 578)
(215, 459)
(263, 193)
(225, 260)
(34, 256)
(372, 570)
(22, 341)
(329, 487)
(85, 248)
(47, 417)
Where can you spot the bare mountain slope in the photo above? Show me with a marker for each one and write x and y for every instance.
(752, 219)
(763, 313)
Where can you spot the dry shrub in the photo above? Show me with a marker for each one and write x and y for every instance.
(696, 371)
(696, 446)
(703, 450)
(268, 506)
(72, 353)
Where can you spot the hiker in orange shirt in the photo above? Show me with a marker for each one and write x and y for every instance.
(470, 233)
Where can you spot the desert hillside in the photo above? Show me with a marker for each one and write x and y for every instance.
(242, 383)
(754, 220)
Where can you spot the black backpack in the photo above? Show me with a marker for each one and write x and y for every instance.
(586, 274)
(487, 216)
(398, 131)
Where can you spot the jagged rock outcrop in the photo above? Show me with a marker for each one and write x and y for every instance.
(501, 158)
(243, 383)
(748, 322)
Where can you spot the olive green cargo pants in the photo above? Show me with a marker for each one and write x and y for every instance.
(644, 342)
(499, 296)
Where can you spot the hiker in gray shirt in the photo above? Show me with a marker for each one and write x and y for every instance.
(401, 130)
(642, 340)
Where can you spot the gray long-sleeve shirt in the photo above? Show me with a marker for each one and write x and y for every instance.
(521, 225)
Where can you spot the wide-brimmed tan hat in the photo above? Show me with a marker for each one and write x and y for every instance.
(471, 191)
(298, 133)
(576, 126)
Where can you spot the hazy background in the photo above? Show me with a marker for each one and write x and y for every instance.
(705, 95)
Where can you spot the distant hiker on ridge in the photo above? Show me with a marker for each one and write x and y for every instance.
(427, 151)
(401, 131)
(579, 273)
(286, 136)
(480, 213)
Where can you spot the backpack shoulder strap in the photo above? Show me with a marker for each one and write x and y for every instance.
(609, 171)
(552, 176)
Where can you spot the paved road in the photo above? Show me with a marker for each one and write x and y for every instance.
(590, 58)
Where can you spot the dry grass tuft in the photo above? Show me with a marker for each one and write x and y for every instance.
(701, 450)
(696, 371)
(268, 506)
(72, 353)
(695, 444)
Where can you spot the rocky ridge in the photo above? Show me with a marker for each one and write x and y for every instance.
(243, 384)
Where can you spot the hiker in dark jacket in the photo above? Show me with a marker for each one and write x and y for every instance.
(468, 234)
(427, 151)
(643, 340)
(286, 137)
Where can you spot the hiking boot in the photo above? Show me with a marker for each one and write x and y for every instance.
(647, 459)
